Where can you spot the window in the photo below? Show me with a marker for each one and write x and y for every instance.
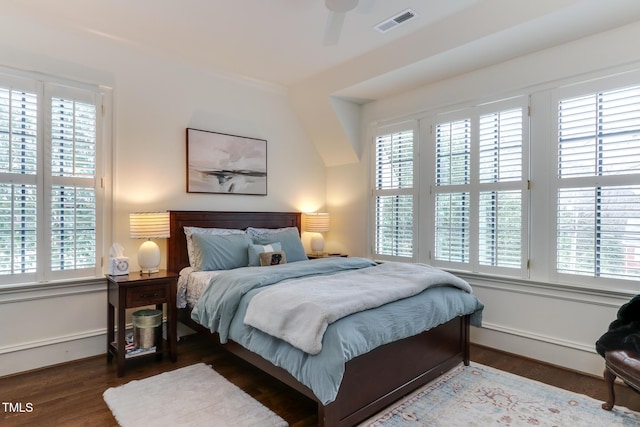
(566, 210)
(501, 183)
(479, 188)
(597, 187)
(393, 192)
(452, 203)
(50, 195)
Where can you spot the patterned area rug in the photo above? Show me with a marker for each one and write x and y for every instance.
(192, 396)
(478, 395)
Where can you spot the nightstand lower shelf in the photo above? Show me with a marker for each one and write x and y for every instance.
(137, 290)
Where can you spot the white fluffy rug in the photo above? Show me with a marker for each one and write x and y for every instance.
(192, 396)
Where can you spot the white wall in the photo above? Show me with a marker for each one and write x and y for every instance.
(155, 99)
(557, 325)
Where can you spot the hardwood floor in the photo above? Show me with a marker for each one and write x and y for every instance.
(71, 394)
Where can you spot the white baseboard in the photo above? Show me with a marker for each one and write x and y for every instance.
(31, 355)
(574, 356)
(570, 355)
(34, 355)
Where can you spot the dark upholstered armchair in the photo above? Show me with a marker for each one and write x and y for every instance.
(620, 347)
(625, 365)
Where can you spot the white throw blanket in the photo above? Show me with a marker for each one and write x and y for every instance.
(299, 310)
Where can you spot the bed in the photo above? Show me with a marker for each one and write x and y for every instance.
(371, 381)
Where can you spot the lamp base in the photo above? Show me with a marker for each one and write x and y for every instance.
(317, 244)
(149, 257)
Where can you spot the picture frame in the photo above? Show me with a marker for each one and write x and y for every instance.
(220, 163)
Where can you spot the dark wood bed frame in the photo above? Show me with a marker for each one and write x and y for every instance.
(371, 381)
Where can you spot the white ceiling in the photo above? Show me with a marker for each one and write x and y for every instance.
(277, 41)
(280, 41)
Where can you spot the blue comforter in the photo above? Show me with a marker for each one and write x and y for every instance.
(223, 306)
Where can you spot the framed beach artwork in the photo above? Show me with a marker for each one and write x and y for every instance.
(225, 164)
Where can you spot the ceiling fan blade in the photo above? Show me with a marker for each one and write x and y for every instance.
(333, 28)
(341, 5)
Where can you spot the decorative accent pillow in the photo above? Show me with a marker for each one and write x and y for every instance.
(256, 250)
(290, 241)
(253, 232)
(272, 258)
(190, 231)
(220, 252)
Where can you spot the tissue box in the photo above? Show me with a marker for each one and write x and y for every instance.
(118, 266)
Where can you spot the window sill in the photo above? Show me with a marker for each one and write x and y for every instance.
(556, 289)
(29, 292)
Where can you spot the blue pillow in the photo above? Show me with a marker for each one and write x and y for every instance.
(289, 240)
(256, 250)
(219, 252)
(190, 231)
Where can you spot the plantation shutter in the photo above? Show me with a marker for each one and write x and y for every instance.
(479, 188)
(452, 199)
(598, 196)
(73, 139)
(452, 227)
(500, 207)
(18, 169)
(394, 194)
(49, 180)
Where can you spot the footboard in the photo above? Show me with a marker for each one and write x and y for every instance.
(376, 379)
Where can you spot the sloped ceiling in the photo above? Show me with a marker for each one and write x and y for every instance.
(279, 42)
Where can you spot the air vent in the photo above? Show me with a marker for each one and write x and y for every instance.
(395, 21)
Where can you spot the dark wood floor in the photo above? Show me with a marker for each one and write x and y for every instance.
(71, 394)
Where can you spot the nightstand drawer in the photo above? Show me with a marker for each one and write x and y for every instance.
(143, 295)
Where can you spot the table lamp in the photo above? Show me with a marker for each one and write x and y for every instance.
(318, 223)
(149, 225)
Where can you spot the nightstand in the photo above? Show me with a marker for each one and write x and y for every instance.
(325, 255)
(136, 290)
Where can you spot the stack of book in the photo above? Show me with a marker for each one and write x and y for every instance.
(130, 349)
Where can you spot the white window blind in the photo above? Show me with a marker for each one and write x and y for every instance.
(479, 188)
(18, 131)
(598, 196)
(18, 229)
(73, 138)
(453, 152)
(73, 170)
(501, 136)
(393, 194)
(452, 227)
(580, 213)
(49, 193)
(452, 207)
(501, 146)
(18, 168)
(73, 228)
(500, 228)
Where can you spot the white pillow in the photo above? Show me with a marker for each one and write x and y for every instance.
(189, 231)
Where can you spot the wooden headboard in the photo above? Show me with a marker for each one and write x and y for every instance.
(177, 257)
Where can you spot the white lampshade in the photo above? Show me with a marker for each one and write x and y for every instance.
(317, 222)
(149, 225)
